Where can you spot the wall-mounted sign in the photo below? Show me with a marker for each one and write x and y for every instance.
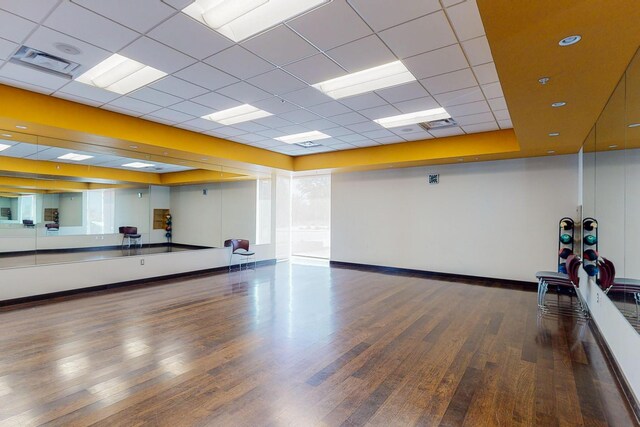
(434, 178)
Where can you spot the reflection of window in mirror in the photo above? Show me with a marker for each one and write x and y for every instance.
(263, 214)
(101, 211)
(27, 208)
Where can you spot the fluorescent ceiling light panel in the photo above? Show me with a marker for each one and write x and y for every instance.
(4, 147)
(413, 118)
(241, 19)
(138, 165)
(302, 137)
(120, 75)
(75, 157)
(380, 77)
(243, 113)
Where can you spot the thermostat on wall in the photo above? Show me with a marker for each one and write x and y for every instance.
(434, 178)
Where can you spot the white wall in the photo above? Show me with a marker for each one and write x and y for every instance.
(132, 209)
(197, 218)
(70, 209)
(239, 207)
(159, 198)
(490, 219)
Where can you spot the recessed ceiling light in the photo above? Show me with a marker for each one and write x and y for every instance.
(120, 75)
(613, 146)
(543, 80)
(554, 134)
(558, 104)
(243, 113)
(461, 160)
(302, 137)
(7, 135)
(133, 146)
(75, 157)
(239, 20)
(413, 118)
(67, 48)
(387, 75)
(21, 127)
(138, 165)
(204, 159)
(551, 152)
(634, 125)
(568, 41)
(4, 147)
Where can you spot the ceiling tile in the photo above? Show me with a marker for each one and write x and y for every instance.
(366, 100)
(436, 62)
(361, 54)
(178, 87)
(216, 101)
(189, 36)
(244, 92)
(307, 97)
(192, 108)
(331, 25)
(280, 46)
(206, 76)
(365, 143)
(139, 15)
(486, 73)
(417, 136)
(471, 108)
(481, 127)
(227, 131)
(448, 3)
(273, 122)
(251, 138)
(33, 10)
(277, 82)
(300, 116)
(418, 104)
(251, 127)
(502, 115)
(352, 138)
(403, 92)
(275, 105)
(132, 104)
(78, 99)
(443, 133)
(121, 110)
(45, 39)
(14, 28)
(365, 127)
(157, 55)
(329, 109)
(380, 112)
(88, 92)
(293, 129)
(498, 104)
(343, 146)
(477, 50)
(315, 69)
(7, 48)
(505, 124)
(154, 96)
(172, 115)
(33, 77)
(78, 22)
(389, 140)
(160, 120)
(380, 133)
(178, 4)
(450, 81)
(492, 90)
(420, 35)
(203, 124)
(462, 96)
(270, 133)
(466, 20)
(474, 119)
(381, 14)
(319, 124)
(239, 62)
(348, 118)
(338, 131)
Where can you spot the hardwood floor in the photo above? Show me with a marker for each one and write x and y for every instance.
(302, 345)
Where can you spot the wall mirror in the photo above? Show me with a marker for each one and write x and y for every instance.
(611, 190)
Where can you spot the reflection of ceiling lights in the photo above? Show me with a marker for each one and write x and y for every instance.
(240, 114)
(138, 165)
(568, 41)
(7, 135)
(551, 152)
(4, 147)
(240, 19)
(302, 137)
(21, 127)
(75, 157)
(120, 75)
(558, 104)
(413, 118)
(387, 75)
(554, 134)
(634, 125)
(613, 146)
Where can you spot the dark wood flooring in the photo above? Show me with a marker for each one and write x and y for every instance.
(302, 345)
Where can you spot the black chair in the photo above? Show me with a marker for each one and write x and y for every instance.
(28, 223)
(130, 234)
(240, 247)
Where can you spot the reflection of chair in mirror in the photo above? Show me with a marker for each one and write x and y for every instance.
(28, 223)
(619, 287)
(240, 247)
(52, 226)
(130, 234)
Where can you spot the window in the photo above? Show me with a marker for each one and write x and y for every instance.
(263, 214)
(100, 211)
(311, 216)
(27, 208)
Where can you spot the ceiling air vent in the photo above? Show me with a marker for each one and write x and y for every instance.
(308, 144)
(438, 124)
(45, 62)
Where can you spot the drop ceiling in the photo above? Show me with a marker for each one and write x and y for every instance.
(442, 43)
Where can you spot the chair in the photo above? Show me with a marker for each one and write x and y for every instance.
(28, 223)
(52, 226)
(130, 234)
(570, 280)
(240, 247)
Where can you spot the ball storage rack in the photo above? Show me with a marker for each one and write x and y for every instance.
(590, 242)
(566, 242)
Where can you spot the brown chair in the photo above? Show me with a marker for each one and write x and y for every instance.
(240, 247)
(130, 234)
(52, 226)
